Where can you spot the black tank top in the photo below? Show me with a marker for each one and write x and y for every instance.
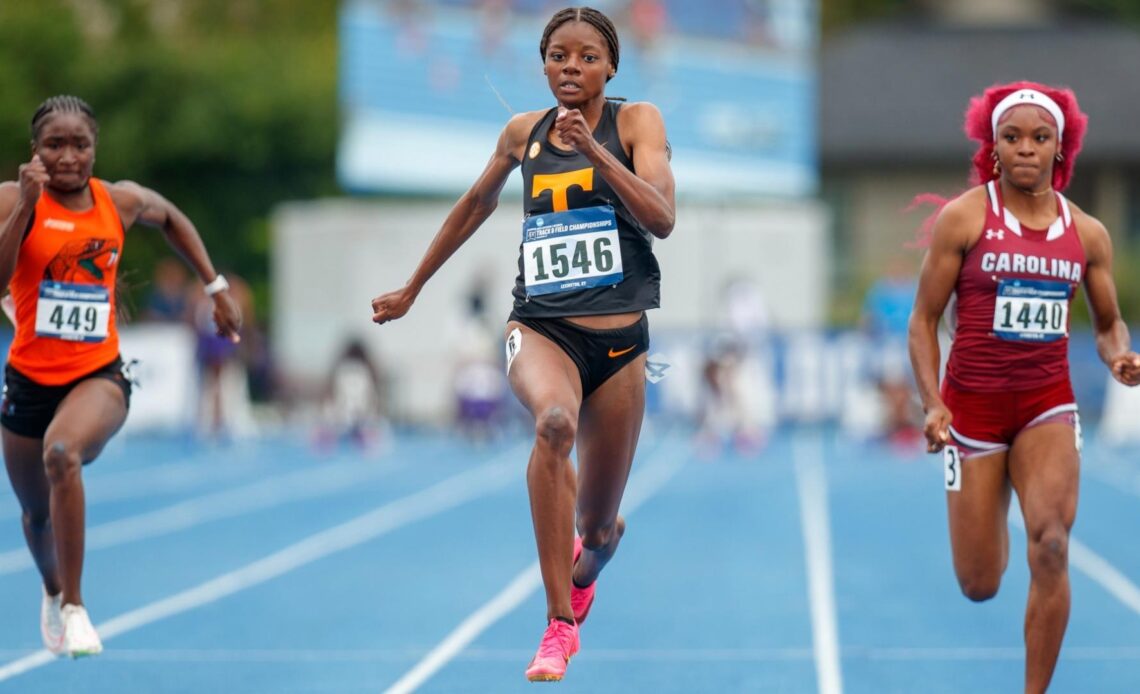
(555, 181)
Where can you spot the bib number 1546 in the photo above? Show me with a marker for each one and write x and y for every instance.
(584, 257)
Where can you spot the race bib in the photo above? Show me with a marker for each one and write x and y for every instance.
(76, 312)
(952, 466)
(571, 250)
(1032, 310)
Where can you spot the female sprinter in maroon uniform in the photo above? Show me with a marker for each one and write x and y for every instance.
(1008, 255)
(598, 189)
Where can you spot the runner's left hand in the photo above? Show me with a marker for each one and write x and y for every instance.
(1126, 368)
(227, 316)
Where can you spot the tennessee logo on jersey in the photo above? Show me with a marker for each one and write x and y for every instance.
(560, 183)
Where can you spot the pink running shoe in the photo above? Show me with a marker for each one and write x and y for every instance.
(581, 599)
(559, 642)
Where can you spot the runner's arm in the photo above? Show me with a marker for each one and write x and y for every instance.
(936, 282)
(466, 216)
(1113, 343)
(16, 214)
(649, 193)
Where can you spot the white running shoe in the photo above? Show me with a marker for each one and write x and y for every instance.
(51, 622)
(79, 637)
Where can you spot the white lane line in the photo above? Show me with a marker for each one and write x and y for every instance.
(309, 483)
(1108, 576)
(811, 481)
(107, 483)
(440, 497)
(1096, 567)
(616, 655)
(181, 475)
(647, 483)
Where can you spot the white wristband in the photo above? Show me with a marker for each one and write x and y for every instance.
(218, 285)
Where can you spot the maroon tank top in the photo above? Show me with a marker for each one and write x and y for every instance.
(1010, 311)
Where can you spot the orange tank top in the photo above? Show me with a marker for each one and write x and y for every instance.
(64, 290)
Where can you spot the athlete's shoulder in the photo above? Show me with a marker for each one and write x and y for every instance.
(127, 195)
(517, 132)
(9, 195)
(1089, 228)
(639, 108)
(520, 125)
(1082, 218)
(965, 209)
(131, 200)
(959, 222)
(636, 112)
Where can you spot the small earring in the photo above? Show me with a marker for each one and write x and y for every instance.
(997, 167)
(1060, 157)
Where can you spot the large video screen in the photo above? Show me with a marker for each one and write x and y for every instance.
(426, 88)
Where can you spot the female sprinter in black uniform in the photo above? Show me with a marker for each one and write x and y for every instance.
(597, 188)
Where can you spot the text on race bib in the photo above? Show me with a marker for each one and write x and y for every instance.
(952, 466)
(75, 312)
(571, 250)
(1032, 310)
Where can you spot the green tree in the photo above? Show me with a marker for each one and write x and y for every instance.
(225, 107)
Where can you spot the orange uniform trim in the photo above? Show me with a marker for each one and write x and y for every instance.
(65, 246)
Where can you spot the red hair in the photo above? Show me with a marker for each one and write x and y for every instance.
(979, 127)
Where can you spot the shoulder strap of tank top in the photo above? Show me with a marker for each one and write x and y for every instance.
(541, 123)
(994, 195)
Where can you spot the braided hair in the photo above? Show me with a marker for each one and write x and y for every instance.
(63, 103)
(590, 16)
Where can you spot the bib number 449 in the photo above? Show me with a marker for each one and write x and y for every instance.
(72, 311)
(78, 323)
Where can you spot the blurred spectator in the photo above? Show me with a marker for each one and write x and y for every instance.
(494, 26)
(738, 391)
(352, 410)
(409, 15)
(887, 305)
(169, 297)
(746, 309)
(479, 384)
(757, 25)
(886, 312)
(224, 408)
(647, 20)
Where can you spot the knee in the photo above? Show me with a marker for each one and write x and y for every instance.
(1049, 550)
(61, 462)
(555, 429)
(979, 587)
(37, 520)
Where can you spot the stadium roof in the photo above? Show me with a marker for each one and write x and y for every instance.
(892, 92)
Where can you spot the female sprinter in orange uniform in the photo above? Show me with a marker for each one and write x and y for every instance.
(578, 335)
(64, 392)
(1012, 252)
